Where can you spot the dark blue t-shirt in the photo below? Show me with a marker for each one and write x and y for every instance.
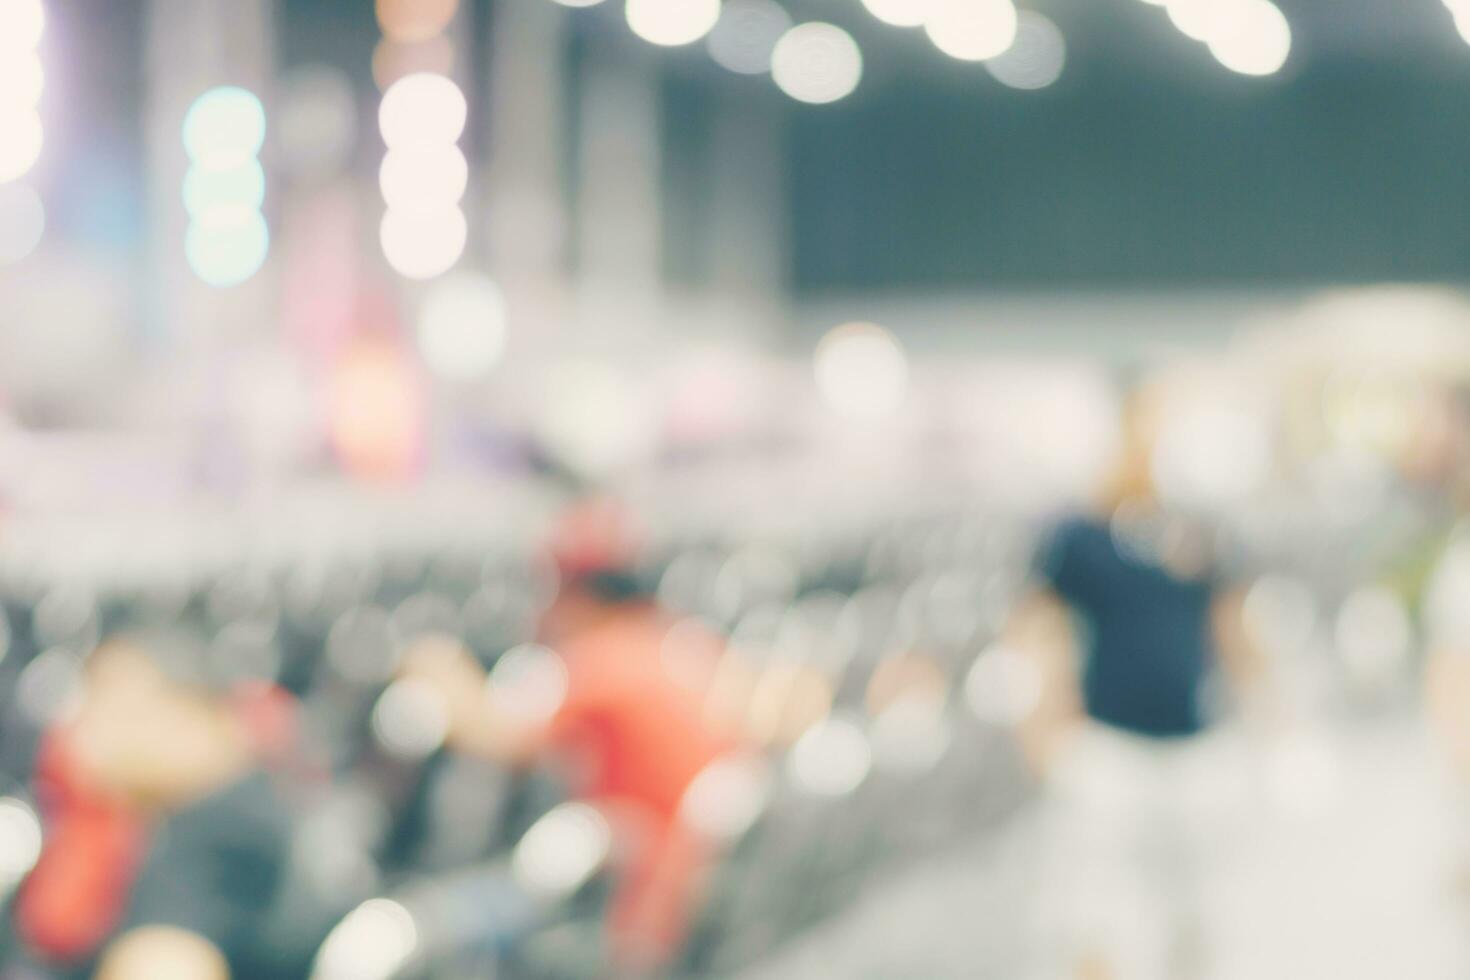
(1149, 649)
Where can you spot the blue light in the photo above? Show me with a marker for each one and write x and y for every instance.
(224, 123)
(228, 248)
(240, 185)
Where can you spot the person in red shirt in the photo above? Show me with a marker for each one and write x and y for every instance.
(620, 716)
(152, 793)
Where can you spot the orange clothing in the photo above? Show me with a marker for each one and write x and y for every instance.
(641, 727)
(77, 893)
(642, 731)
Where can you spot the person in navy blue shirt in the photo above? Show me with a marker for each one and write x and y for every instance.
(1149, 627)
(1130, 625)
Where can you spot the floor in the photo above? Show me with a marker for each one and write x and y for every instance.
(1343, 869)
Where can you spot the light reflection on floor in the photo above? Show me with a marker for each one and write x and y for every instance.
(1363, 886)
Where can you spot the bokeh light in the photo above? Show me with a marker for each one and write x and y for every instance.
(1199, 19)
(1257, 42)
(1037, 56)
(423, 176)
(224, 124)
(376, 417)
(727, 797)
(911, 735)
(900, 13)
(671, 23)
(22, 80)
(972, 30)
(1209, 455)
(562, 850)
(393, 60)
(1003, 687)
(224, 188)
(22, 22)
(422, 180)
(529, 682)
(414, 20)
(228, 248)
(831, 759)
(861, 371)
(746, 35)
(422, 246)
(595, 418)
(462, 326)
(22, 222)
(579, 3)
(817, 63)
(423, 108)
(373, 942)
(208, 188)
(20, 841)
(411, 719)
(21, 137)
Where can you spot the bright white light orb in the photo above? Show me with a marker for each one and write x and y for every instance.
(372, 943)
(1037, 56)
(228, 247)
(670, 23)
(562, 850)
(1003, 687)
(832, 758)
(528, 682)
(423, 179)
(422, 246)
(411, 719)
(22, 222)
(727, 797)
(579, 3)
(461, 327)
(746, 35)
(240, 186)
(22, 22)
(1256, 43)
(21, 138)
(224, 123)
(1195, 19)
(423, 108)
(862, 371)
(20, 841)
(900, 13)
(972, 30)
(817, 63)
(22, 80)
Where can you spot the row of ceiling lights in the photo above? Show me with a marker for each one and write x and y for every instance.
(818, 62)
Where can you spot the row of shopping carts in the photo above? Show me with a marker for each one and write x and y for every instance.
(863, 670)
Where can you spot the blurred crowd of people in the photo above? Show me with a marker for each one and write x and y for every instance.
(618, 749)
